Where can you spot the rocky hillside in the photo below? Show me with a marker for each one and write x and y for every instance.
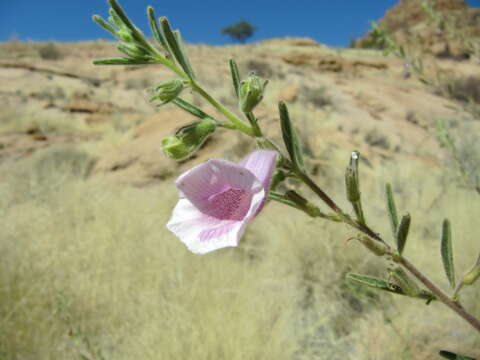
(442, 34)
(341, 100)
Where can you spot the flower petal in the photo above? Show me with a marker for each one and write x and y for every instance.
(202, 233)
(201, 183)
(261, 163)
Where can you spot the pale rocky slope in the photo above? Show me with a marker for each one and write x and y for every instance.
(341, 99)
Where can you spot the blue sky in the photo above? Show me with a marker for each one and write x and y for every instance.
(329, 22)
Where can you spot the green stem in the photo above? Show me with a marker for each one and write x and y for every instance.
(239, 124)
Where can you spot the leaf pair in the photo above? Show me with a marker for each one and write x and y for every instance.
(400, 233)
(399, 230)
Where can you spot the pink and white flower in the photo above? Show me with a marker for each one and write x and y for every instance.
(218, 199)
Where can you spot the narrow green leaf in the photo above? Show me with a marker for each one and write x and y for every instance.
(97, 19)
(290, 137)
(136, 33)
(122, 61)
(453, 356)
(281, 198)
(402, 233)
(192, 109)
(447, 252)
(121, 14)
(157, 34)
(178, 37)
(392, 209)
(235, 76)
(176, 47)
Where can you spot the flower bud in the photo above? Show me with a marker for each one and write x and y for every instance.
(470, 277)
(351, 179)
(188, 139)
(374, 246)
(251, 92)
(168, 91)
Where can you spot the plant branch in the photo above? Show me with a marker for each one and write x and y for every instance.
(439, 293)
(456, 307)
(239, 124)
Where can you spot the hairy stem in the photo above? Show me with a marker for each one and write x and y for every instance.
(440, 294)
(239, 124)
(456, 307)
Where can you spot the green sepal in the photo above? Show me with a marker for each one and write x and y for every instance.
(447, 252)
(290, 137)
(402, 233)
(251, 92)
(132, 50)
(188, 139)
(174, 43)
(392, 209)
(167, 91)
(235, 76)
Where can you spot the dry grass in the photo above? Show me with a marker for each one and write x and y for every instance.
(89, 270)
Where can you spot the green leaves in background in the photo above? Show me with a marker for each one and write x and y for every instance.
(290, 138)
(447, 252)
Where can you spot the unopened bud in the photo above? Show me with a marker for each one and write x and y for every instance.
(351, 179)
(188, 139)
(374, 246)
(251, 92)
(470, 277)
(168, 91)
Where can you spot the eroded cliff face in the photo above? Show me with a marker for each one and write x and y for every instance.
(410, 25)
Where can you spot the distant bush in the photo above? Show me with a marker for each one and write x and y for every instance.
(317, 96)
(466, 89)
(240, 31)
(50, 51)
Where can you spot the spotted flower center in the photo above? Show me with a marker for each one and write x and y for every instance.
(231, 204)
